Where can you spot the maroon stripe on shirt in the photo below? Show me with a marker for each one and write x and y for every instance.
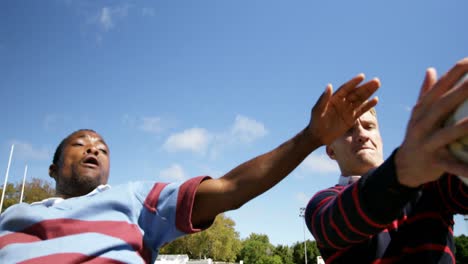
(55, 228)
(430, 247)
(345, 217)
(396, 223)
(338, 231)
(388, 260)
(361, 212)
(185, 200)
(337, 255)
(426, 215)
(322, 224)
(312, 220)
(70, 258)
(151, 201)
(441, 192)
(454, 199)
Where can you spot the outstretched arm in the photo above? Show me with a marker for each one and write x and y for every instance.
(425, 134)
(341, 216)
(331, 116)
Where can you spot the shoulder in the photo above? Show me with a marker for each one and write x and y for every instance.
(332, 191)
(325, 195)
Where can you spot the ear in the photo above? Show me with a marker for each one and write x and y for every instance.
(53, 170)
(330, 152)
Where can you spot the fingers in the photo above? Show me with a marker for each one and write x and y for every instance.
(446, 82)
(349, 85)
(452, 165)
(366, 106)
(439, 99)
(446, 104)
(357, 95)
(362, 93)
(429, 80)
(448, 135)
(323, 100)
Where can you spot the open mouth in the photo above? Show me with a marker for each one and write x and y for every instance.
(91, 161)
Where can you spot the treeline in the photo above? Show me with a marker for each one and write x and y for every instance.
(34, 190)
(220, 242)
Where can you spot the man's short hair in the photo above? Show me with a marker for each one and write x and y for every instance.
(59, 149)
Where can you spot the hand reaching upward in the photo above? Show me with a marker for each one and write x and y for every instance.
(335, 113)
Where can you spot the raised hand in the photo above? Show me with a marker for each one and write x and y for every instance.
(335, 113)
(423, 155)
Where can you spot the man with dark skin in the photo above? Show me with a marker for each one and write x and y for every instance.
(164, 211)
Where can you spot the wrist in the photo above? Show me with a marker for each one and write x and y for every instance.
(309, 139)
(403, 171)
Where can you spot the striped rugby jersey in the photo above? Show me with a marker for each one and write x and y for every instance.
(377, 220)
(123, 224)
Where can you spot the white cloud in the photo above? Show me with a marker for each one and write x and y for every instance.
(108, 15)
(195, 140)
(319, 163)
(151, 124)
(26, 151)
(148, 11)
(247, 130)
(175, 172)
(105, 19)
(200, 141)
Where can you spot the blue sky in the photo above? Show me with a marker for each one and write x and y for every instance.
(186, 88)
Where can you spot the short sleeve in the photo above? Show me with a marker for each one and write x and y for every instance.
(166, 210)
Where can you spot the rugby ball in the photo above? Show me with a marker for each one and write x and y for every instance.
(459, 148)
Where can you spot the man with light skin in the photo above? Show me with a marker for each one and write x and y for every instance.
(89, 221)
(360, 148)
(399, 210)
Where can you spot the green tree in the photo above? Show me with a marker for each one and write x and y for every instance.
(34, 190)
(286, 254)
(220, 242)
(461, 249)
(37, 190)
(257, 249)
(299, 252)
(11, 196)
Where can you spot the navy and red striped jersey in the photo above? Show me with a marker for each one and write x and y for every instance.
(378, 220)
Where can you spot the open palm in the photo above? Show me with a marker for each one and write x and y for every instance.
(335, 113)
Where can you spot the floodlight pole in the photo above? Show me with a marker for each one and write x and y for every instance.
(465, 217)
(302, 214)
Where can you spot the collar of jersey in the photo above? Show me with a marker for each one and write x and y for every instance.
(55, 200)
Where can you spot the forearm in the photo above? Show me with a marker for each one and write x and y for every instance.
(358, 211)
(381, 195)
(251, 178)
(259, 174)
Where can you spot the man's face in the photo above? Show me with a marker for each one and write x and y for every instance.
(83, 165)
(360, 148)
